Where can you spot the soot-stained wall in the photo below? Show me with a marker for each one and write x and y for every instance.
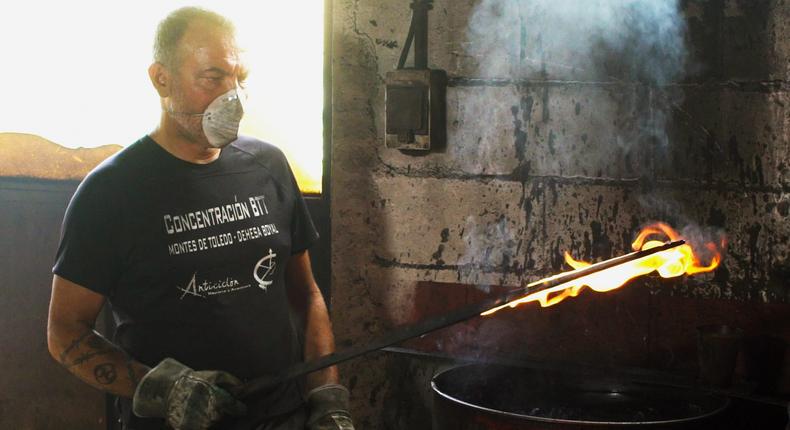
(568, 130)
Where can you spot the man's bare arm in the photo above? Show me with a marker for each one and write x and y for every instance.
(306, 298)
(75, 344)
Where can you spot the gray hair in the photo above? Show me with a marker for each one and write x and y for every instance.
(172, 29)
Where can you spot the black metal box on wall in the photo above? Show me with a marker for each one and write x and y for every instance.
(415, 105)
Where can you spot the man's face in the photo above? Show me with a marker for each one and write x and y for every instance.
(207, 66)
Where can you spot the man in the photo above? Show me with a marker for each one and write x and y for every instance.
(198, 239)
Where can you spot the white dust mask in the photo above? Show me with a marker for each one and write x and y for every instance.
(221, 119)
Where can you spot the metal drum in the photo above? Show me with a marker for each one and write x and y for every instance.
(485, 396)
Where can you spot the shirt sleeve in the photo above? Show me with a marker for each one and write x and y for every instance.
(303, 231)
(87, 253)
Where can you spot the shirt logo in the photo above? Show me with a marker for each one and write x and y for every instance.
(264, 270)
(210, 288)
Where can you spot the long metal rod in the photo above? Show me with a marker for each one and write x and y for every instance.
(431, 324)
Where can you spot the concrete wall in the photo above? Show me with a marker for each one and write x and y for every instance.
(543, 158)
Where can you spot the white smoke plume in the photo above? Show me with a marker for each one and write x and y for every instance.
(591, 39)
(637, 44)
(630, 48)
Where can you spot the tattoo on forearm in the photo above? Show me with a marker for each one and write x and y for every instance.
(74, 344)
(105, 373)
(96, 342)
(88, 355)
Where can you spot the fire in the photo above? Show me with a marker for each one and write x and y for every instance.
(669, 263)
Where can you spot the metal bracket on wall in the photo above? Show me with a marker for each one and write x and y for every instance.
(415, 100)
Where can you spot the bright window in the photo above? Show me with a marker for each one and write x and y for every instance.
(75, 72)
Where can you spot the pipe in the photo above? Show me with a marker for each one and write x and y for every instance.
(420, 24)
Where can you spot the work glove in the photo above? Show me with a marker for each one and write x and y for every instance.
(186, 399)
(328, 407)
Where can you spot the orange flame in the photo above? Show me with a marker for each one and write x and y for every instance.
(670, 263)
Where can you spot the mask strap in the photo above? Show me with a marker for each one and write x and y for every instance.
(172, 112)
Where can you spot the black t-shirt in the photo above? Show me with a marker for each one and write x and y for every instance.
(192, 258)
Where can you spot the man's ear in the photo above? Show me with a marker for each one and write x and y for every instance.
(160, 78)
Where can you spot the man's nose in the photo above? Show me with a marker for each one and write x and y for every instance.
(230, 83)
(233, 84)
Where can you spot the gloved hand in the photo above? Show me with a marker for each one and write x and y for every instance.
(328, 407)
(188, 400)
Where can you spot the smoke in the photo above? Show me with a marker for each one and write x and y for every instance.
(637, 46)
(700, 237)
(706, 241)
(612, 60)
(639, 40)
